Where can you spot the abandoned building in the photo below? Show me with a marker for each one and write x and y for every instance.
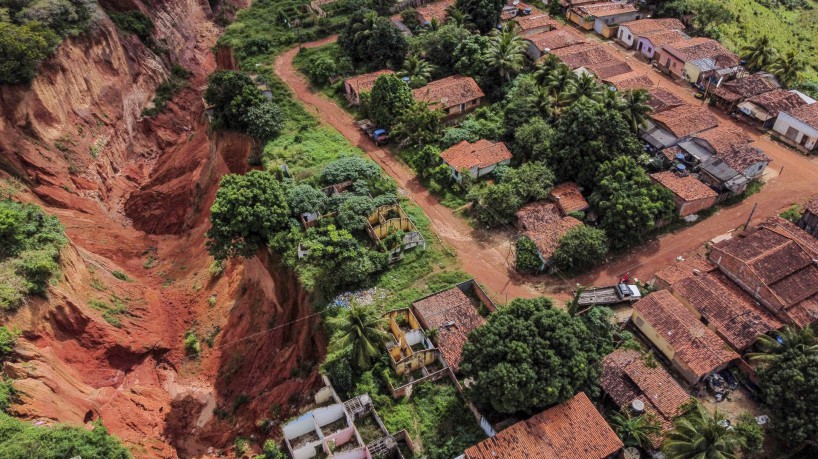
(393, 230)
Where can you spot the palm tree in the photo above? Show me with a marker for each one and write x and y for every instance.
(777, 342)
(506, 52)
(635, 108)
(544, 67)
(611, 99)
(699, 435)
(635, 430)
(760, 54)
(559, 79)
(415, 67)
(584, 86)
(541, 100)
(361, 329)
(788, 68)
(458, 17)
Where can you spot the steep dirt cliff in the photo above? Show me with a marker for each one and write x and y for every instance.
(133, 193)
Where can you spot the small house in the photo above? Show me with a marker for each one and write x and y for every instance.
(696, 58)
(694, 350)
(689, 194)
(668, 127)
(728, 95)
(629, 81)
(455, 95)
(534, 24)
(603, 18)
(809, 220)
(594, 58)
(568, 198)
(543, 43)
(542, 223)
(478, 158)
(661, 100)
(573, 429)
(630, 32)
(357, 85)
(799, 127)
(765, 107)
(651, 41)
(775, 263)
(641, 387)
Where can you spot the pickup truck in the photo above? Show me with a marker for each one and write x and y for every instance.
(619, 293)
(379, 136)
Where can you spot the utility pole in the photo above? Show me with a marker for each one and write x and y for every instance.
(752, 212)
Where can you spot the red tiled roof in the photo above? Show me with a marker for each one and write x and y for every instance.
(687, 188)
(743, 88)
(806, 113)
(700, 48)
(684, 269)
(568, 198)
(535, 21)
(610, 69)
(685, 120)
(782, 256)
(694, 345)
(365, 82)
(665, 37)
(626, 377)
(778, 100)
(630, 81)
(434, 10)
(584, 55)
(733, 314)
(602, 10)
(722, 138)
(640, 27)
(573, 429)
(556, 39)
(482, 153)
(661, 99)
(740, 157)
(541, 222)
(454, 316)
(449, 92)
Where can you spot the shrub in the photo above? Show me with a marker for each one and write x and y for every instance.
(192, 346)
(580, 248)
(264, 121)
(793, 213)
(133, 22)
(121, 276)
(24, 440)
(528, 256)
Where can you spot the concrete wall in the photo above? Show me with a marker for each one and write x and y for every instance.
(801, 129)
(532, 51)
(645, 47)
(686, 208)
(626, 37)
(669, 63)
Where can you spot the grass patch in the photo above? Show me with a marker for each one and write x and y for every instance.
(121, 276)
(111, 311)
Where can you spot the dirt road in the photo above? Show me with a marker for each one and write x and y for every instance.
(489, 260)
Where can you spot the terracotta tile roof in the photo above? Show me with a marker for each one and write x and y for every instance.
(568, 198)
(661, 99)
(683, 269)
(806, 113)
(584, 55)
(535, 21)
(556, 39)
(365, 82)
(454, 316)
(687, 188)
(606, 9)
(629, 81)
(434, 10)
(541, 222)
(743, 88)
(640, 27)
(811, 206)
(740, 157)
(449, 92)
(610, 69)
(733, 313)
(482, 153)
(722, 138)
(685, 120)
(665, 37)
(701, 48)
(777, 101)
(782, 256)
(573, 429)
(694, 345)
(670, 153)
(626, 377)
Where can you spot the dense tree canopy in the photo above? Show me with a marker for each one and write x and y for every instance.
(628, 202)
(264, 121)
(307, 199)
(352, 168)
(496, 205)
(438, 47)
(336, 259)
(389, 98)
(485, 14)
(586, 136)
(531, 181)
(529, 356)
(580, 248)
(373, 41)
(232, 95)
(248, 211)
(419, 124)
(24, 440)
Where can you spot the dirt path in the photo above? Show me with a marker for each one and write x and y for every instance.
(490, 261)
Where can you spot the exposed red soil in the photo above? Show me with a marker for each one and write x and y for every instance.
(485, 256)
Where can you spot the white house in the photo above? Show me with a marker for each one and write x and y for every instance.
(799, 127)
(630, 32)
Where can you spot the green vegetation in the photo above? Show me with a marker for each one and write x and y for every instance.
(23, 440)
(238, 104)
(793, 213)
(529, 356)
(635, 430)
(361, 329)
(372, 41)
(29, 252)
(580, 249)
(527, 256)
(112, 310)
(30, 31)
(484, 14)
(389, 98)
(134, 22)
(699, 434)
(192, 345)
(168, 88)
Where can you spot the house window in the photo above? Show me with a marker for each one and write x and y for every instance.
(792, 133)
(804, 140)
(462, 107)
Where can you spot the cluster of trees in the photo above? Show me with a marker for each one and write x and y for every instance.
(238, 104)
(700, 434)
(761, 55)
(30, 31)
(530, 355)
(29, 253)
(258, 210)
(373, 42)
